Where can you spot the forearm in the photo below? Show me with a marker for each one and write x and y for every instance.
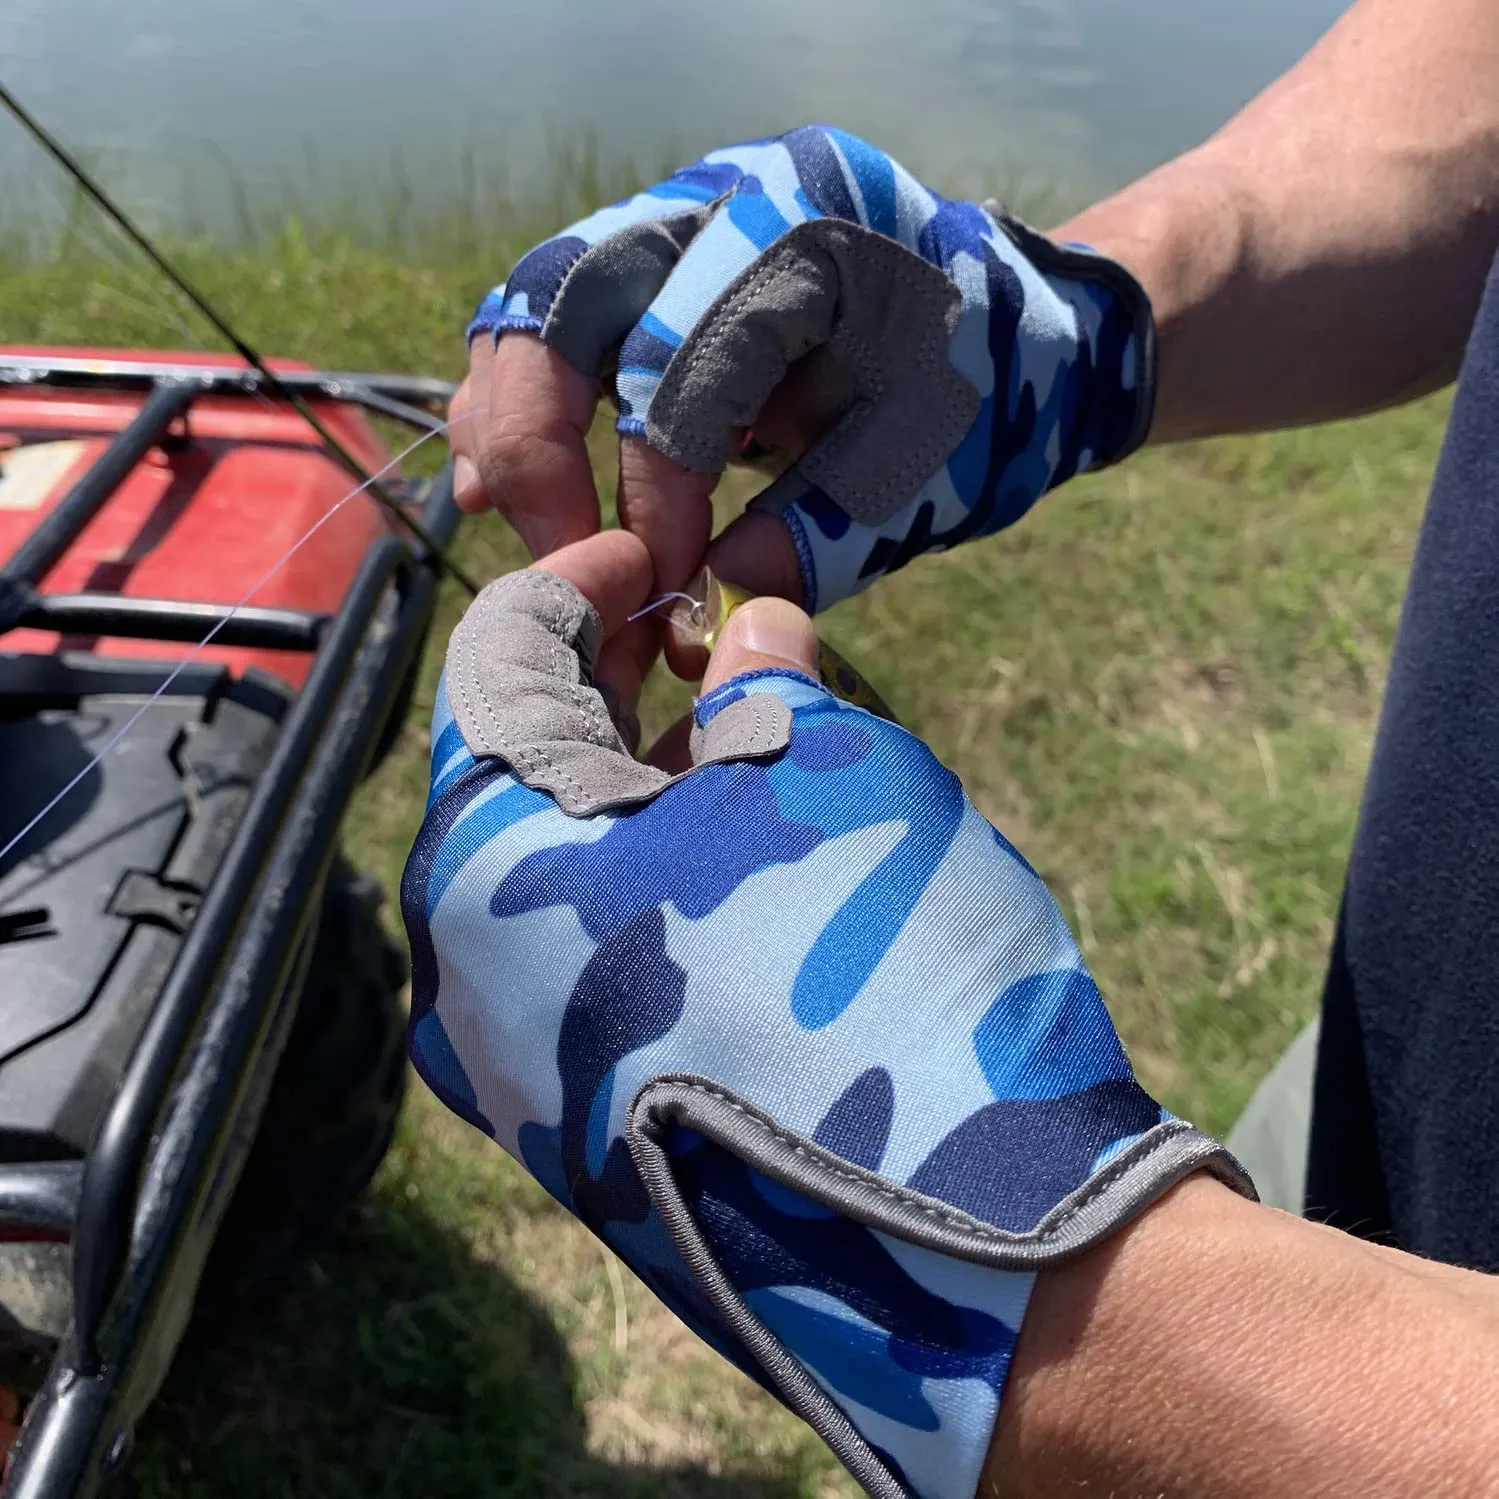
(1323, 254)
(1220, 1349)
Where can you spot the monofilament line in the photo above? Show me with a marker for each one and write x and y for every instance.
(666, 598)
(207, 640)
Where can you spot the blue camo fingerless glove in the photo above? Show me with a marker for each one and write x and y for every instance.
(979, 364)
(798, 1033)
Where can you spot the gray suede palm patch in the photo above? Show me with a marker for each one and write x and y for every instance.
(872, 320)
(612, 284)
(519, 676)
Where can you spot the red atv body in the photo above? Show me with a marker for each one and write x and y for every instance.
(202, 521)
(201, 1049)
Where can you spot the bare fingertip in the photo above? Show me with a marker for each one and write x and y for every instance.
(612, 569)
(766, 634)
(468, 488)
(773, 627)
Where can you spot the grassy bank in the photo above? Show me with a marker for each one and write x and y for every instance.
(1162, 685)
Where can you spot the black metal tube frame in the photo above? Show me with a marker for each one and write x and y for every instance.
(165, 1161)
(40, 1197)
(170, 389)
(143, 1208)
(111, 1174)
(168, 619)
(413, 399)
(60, 527)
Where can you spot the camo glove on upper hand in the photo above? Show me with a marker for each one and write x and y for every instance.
(978, 363)
(797, 1033)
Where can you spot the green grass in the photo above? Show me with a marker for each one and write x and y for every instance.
(1162, 685)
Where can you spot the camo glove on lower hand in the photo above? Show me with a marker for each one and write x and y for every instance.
(797, 1033)
(978, 364)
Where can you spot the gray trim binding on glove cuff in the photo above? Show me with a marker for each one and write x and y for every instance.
(1105, 1203)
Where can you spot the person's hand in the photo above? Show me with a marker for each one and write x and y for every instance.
(796, 1032)
(934, 366)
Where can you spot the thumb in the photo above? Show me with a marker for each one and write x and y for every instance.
(764, 634)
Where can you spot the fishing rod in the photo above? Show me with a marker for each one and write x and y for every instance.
(276, 386)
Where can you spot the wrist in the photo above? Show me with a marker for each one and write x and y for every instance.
(1181, 233)
(1217, 1347)
(1109, 410)
(1088, 1335)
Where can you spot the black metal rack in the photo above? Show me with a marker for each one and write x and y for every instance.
(142, 1208)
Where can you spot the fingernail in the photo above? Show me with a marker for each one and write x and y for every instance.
(772, 627)
(465, 478)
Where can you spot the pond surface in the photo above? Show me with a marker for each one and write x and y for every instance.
(171, 99)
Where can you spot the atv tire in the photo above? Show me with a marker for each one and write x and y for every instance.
(333, 1104)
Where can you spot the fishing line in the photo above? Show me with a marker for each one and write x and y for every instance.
(114, 740)
(698, 605)
(100, 245)
(127, 226)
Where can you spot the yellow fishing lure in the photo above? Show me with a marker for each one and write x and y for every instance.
(698, 616)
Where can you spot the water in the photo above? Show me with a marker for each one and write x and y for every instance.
(170, 99)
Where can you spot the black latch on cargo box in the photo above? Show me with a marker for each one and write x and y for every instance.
(143, 896)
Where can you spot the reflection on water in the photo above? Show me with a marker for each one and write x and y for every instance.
(297, 98)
